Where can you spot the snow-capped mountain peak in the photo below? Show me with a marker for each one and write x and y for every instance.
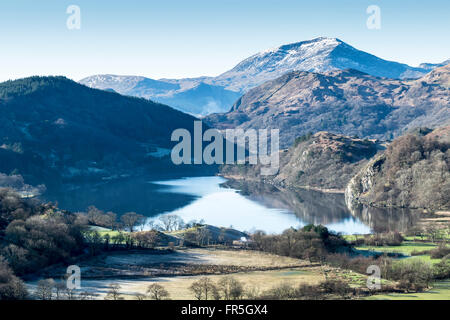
(317, 55)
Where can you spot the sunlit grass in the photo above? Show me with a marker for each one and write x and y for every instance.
(405, 248)
(440, 291)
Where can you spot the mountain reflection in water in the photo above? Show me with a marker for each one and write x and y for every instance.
(255, 206)
(244, 206)
(328, 208)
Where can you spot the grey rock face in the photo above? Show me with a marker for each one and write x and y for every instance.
(413, 172)
(363, 181)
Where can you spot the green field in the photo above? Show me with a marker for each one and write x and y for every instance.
(440, 291)
(405, 248)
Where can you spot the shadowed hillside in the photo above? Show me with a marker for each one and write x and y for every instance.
(54, 130)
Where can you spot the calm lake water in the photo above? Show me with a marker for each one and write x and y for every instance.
(244, 206)
(225, 206)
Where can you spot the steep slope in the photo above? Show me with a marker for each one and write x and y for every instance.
(204, 95)
(413, 172)
(54, 130)
(317, 55)
(347, 102)
(202, 99)
(323, 161)
(189, 95)
(439, 76)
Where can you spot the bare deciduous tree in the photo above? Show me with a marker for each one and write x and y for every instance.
(111, 220)
(114, 292)
(203, 288)
(60, 288)
(171, 222)
(146, 239)
(140, 296)
(86, 295)
(230, 288)
(131, 219)
(44, 289)
(157, 292)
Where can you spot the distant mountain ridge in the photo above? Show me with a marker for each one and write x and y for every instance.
(431, 66)
(345, 102)
(205, 95)
(318, 55)
(190, 96)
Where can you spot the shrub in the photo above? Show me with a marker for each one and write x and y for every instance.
(325, 289)
(146, 239)
(34, 235)
(44, 289)
(384, 239)
(302, 138)
(230, 288)
(42, 240)
(441, 251)
(204, 289)
(11, 287)
(441, 270)
(335, 286)
(311, 242)
(359, 264)
(283, 291)
(412, 275)
(310, 292)
(113, 292)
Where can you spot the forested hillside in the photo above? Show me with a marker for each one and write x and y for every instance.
(413, 172)
(54, 130)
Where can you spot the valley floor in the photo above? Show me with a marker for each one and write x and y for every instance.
(176, 270)
(439, 291)
(135, 271)
(178, 287)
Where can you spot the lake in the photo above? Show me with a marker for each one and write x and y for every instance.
(221, 205)
(242, 205)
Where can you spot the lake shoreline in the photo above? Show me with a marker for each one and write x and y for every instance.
(242, 178)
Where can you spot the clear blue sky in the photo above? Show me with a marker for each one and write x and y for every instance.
(180, 38)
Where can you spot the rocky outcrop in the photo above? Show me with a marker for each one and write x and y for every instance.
(413, 172)
(320, 161)
(363, 182)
